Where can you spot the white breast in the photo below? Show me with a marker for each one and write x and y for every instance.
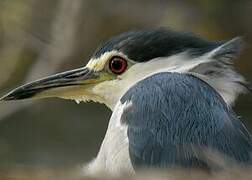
(113, 157)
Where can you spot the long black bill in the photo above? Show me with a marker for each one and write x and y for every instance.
(69, 78)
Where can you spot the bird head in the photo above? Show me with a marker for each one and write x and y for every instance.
(132, 56)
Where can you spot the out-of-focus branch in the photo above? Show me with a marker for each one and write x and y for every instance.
(12, 22)
(62, 35)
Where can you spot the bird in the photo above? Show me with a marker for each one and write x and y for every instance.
(171, 95)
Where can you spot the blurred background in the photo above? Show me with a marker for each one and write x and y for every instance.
(39, 38)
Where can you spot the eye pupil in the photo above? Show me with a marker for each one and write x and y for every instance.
(118, 65)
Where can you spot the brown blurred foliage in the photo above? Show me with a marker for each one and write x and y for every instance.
(38, 38)
(171, 174)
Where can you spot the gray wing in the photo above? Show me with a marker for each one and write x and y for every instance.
(174, 118)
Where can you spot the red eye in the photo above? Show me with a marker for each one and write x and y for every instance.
(117, 65)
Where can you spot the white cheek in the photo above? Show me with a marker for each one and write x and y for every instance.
(110, 91)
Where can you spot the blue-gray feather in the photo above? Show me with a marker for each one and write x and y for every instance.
(173, 116)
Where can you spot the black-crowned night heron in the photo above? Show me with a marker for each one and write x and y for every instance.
(170, 93)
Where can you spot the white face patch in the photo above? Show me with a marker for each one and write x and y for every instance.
(99, 63)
